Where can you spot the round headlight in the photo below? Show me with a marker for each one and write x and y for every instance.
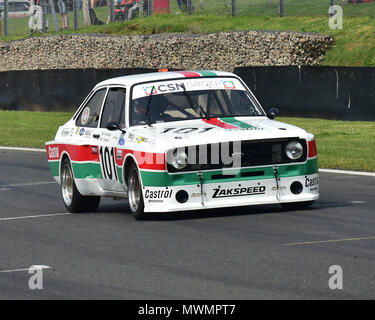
(294, 150)
(180, 159)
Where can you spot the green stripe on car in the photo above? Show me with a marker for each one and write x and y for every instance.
(233, 121)
(163, 179)
(205, 73)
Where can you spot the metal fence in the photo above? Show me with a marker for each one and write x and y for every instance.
(22, 18)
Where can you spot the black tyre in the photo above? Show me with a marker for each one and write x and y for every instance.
(73, 200)
(135, 193)
(290, 206)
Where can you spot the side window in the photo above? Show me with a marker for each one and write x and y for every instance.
(114, 108)
(89, 116)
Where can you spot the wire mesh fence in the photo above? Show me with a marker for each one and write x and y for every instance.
(25, 17)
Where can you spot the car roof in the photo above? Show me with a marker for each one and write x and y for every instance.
(159, 76)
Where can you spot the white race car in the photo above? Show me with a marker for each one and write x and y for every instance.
(176, 141)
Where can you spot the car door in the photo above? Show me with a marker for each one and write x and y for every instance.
(113, 112)
(84, 149)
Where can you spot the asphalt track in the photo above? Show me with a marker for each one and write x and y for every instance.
(240, 253)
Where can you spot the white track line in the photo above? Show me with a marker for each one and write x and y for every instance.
(36, 216)
(22, 149)
(327, 241)
(26, 184)
(36, 267)
(7, 187)
(354, 173)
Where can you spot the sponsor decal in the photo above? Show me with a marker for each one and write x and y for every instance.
(150, 89)
(105, 136)
(138, 139)
(65, 132)
(162, 87)
(158, 195)
(278, 188)
(81, 131)
(53, 152)
(229, 85)
(85, 115)
(196, 195)
(121, 142)
(88, 133)
(237, 192)
(311, 182)
(119, 154)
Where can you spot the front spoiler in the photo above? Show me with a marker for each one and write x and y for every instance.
(231, 194)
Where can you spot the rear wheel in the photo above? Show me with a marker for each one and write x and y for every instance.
(73, 200)
(296, 205)
(135, 193)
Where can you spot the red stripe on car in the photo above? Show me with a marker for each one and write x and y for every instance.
(148, 160)
(189, 74)
(76, 153)
(219, 123)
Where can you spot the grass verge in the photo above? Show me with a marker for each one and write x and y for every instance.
(341, 144)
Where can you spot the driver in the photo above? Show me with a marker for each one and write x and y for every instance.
(139, 115)
(158, 106)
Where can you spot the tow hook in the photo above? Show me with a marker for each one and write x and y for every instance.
(275, 172)
(200, 177)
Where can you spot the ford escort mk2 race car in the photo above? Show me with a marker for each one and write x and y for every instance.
(176, 141)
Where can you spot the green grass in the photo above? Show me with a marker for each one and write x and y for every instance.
(29, 128)
(341, 144)
(354, 44)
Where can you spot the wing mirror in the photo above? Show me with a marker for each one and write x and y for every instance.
(112, 126)
(272, 112)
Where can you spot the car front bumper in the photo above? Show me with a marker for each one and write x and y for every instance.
(231, 194)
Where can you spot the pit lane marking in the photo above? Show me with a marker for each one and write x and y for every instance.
(327, 241)
(36, 216)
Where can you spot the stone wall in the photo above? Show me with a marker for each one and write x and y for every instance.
(215, 51)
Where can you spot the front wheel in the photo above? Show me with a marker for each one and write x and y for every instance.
(73, 200)
(135, 194)
(296, 205)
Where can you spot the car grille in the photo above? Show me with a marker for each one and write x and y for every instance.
(252, 153)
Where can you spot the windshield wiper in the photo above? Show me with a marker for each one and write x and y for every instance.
(148, 106)
(193, 105)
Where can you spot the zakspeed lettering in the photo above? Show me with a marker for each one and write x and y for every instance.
(237, 192)
(158, 194)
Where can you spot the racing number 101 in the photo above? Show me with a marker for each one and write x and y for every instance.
(108, 161)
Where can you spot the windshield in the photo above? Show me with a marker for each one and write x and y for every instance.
(176, 100)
